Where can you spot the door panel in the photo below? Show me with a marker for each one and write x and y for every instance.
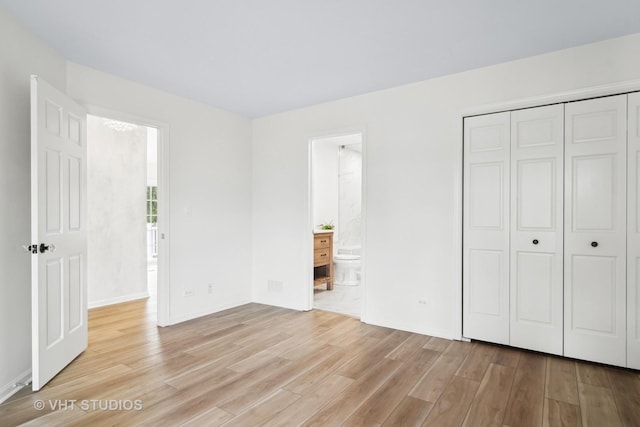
(536, 228)
(537, 194)
(486, 190)
(534, 287)
(53, 308)
(593, 297)
(74, 304)
(596, 126)
(486, 228)
(633, 234)
(58, 222)
(485, 282)
(53, 191)
(486, 135)
(595, 230)
(74, 172)
(53, 118)
(594, 187)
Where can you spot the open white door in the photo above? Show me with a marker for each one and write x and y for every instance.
(58, 231)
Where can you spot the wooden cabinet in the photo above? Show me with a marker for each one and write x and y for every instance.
(323, 259)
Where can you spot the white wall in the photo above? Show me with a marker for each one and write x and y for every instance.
(325, 183)
(210, 174)
(152, 157)
(350, 197)
(116, 219)
(21, 54)
(411, 160)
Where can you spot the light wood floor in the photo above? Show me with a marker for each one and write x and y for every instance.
(260, 365)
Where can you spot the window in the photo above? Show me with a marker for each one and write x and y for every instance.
(152, 205)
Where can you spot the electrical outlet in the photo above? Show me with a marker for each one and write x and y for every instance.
(422, 301)
(210, 288)
(188, 293)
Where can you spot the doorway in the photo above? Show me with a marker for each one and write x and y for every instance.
(336, 208)
(123, 211)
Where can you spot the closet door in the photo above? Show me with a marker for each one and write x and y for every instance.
(633, 235)
(486, 228)
(595, 230)
(537, 137)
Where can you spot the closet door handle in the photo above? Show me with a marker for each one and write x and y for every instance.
(594, 244)
(535, 241)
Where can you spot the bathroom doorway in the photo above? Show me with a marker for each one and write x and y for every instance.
(336, 215)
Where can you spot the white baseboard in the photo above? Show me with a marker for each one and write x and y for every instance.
(10, 389)
(440, 333)
(194, 315)
(117, 300)
(274, 302)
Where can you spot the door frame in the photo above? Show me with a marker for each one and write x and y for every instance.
(308, 233)
(164, 242)
(537, 101)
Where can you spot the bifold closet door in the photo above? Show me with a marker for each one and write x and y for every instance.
(633, 235)
(595, 230)
(537, 145)
(486, 228)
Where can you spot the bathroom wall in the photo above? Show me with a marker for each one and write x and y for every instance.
(116, 184)
(325, 183)
(350, 196)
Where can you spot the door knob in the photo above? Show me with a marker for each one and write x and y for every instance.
(44, 248)
(594, 244)
(535, 241)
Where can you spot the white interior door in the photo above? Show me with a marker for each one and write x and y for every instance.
(486, 228)
(595, 229)
(633, 235)
(537, 145)
(58, 228)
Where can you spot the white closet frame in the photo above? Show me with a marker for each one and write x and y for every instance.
(633, 231)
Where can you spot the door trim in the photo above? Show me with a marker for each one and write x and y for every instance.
(164, 200)
(458, 167)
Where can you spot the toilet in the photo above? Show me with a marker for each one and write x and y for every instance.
(346, 263)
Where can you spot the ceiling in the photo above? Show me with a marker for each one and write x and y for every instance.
(259, 57)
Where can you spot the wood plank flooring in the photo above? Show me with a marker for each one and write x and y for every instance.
(259, 365)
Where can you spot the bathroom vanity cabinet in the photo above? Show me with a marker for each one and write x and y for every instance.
(323, 259)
